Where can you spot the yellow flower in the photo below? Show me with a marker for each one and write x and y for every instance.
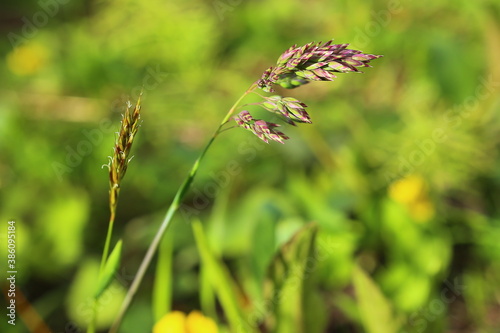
(178, 322)
(173, 322)
(27, 59)
(197, 323)
(411, 192)
(407, 190)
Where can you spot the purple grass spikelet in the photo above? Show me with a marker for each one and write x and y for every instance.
(313, 62)
(291, 109)
(262, 129)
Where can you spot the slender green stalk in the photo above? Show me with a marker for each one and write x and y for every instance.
(179, 196)
(105, 253)
(91, 327)
(107, 243)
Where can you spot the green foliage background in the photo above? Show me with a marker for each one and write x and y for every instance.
(428, 108)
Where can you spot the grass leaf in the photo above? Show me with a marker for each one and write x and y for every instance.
(110, 269)
(162, 289)
(374, 309)
(290, 269)
(222, 282)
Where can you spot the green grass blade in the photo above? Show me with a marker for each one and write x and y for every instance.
(295, 263)
(207, 294)
(374, 309)
(221, 281)
(162, 289)
(110, 268)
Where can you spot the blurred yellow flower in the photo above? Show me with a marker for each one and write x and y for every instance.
(411, 192)
(197, 323)
(407, 190)
(178, 322)
(27, 59)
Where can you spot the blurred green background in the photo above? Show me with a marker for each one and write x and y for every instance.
(399, 169)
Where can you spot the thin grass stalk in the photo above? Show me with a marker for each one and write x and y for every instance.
(105, 253)
(174, 206)
(107, 243)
